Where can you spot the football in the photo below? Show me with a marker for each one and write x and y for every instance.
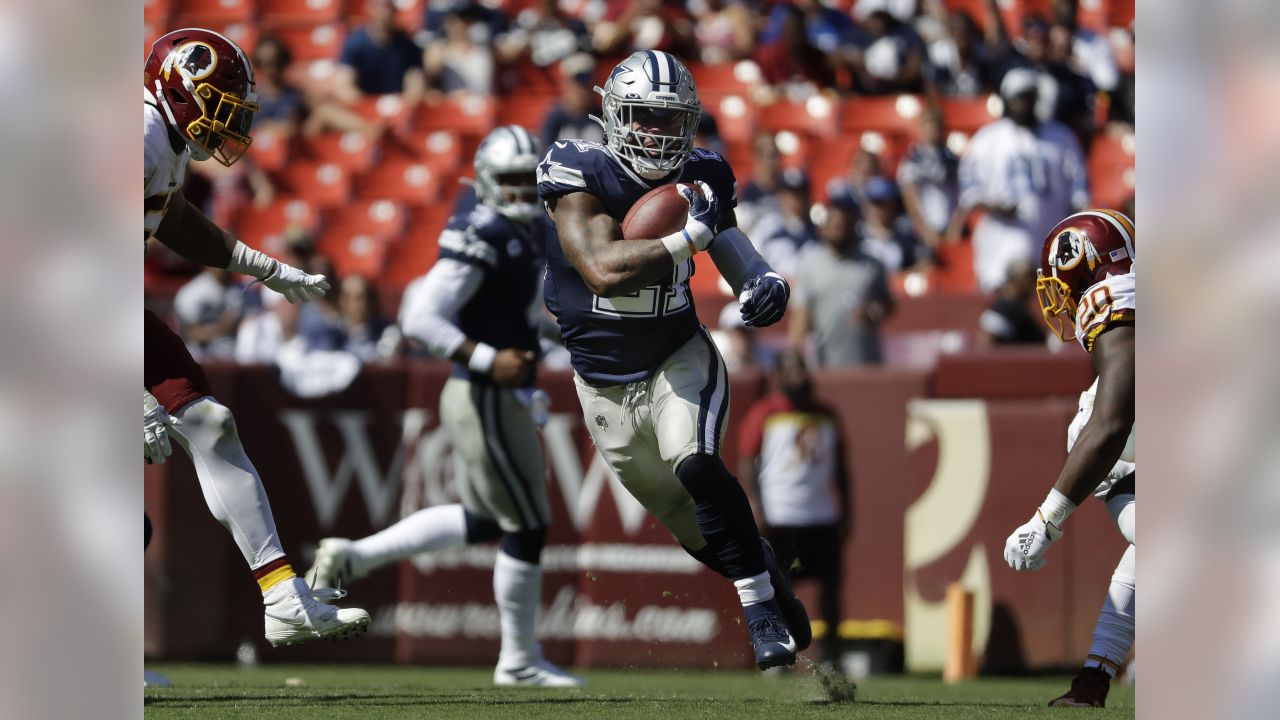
(659, 213)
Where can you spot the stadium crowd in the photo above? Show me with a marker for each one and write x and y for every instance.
(897, 149)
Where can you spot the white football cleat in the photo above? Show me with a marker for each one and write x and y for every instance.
(542, 674)
(336, 565)
(295, 614)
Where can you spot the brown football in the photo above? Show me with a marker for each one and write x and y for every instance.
(659, 213)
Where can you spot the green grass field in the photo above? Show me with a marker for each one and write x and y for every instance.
(325, 692)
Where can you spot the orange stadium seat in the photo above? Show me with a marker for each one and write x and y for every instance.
(1094, 15)
(815, 116)
(381, 217)
(969, 114)
(728, 78)
(265, 227)
(352, 150)
(156, 11)
(1111, 169)
(525, 109)
(244, 34)
(735, 115)
(1121, 13)
(270, 149)
(325, 184)
(955, 268)
(218, 11)
(300, 12)
(830, 159)
(317, 42)
(354, 250)
(396, 178)
(472, 117)
(889, 114)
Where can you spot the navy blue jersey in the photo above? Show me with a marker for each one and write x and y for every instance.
(620, 339)
(511, 258)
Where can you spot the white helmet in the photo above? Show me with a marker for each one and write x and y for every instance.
(651, 112)
(506, 167)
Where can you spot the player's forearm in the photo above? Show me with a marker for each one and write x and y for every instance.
(736, 258)
(1095, 452)
(620, 268)
(190, 233)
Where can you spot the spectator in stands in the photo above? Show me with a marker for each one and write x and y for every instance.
(378, 58)
(739, 345)
(725, 30)
(645, 25)
(757, 199)
(487, 23)
(929, 178)
(544, 35)
(462, 61)
(792, 454)
(959, 63)
(826, 28)
(262, 335)
(367, 334)
(208, 310)
(850, 188)
(890, 59)
(840, 295)
(1087, 52)
(791, 63)
(780, 236)
(570, 117)
(885, 232)
(279, 103)
(1008, 319)
(1024, 175)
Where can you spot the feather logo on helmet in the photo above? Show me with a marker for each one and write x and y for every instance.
(195, 60)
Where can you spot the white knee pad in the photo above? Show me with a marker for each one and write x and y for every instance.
(1124, 511)
(1126, 572)
(205, 423)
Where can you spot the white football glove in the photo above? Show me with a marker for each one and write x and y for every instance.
(1026, 547)
(295, 285)
(155, 430)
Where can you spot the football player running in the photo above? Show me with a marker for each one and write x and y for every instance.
(1087, 291)
(199, 102)
(654, 390)
(473, 307)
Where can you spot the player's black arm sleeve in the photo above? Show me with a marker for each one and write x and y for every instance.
(589, 238)
(191, 234)
(1102, 439)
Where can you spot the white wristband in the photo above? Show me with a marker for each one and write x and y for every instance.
(481, 360)
(679, 245)
(1056, 507)
(247, 261)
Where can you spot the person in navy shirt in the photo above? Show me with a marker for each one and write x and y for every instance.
(653, 388)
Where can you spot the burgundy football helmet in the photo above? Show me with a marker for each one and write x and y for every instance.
(203, 84)
(1079, 252)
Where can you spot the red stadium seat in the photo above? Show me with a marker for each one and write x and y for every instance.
(244, 34)
(735, 115)
(218, 12)
(472, 117)
(354, 251)
(955, 268)
(1121, 13)
(403, 179)
(1094, 15)
(442, 150)
(728, 78)
(417, 249)
(270, 149)
(325, 184)
(408, 13)
(352, 150)
(156, 11)
(1111, 169)
(317, 42)
(889, 114)
(382, 218)
(264, 228)
(299, 12)
(969, 114)
(526, 110)
(830, 159)
(815, 116)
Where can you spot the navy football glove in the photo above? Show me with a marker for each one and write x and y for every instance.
(704, 208)
(764, 299)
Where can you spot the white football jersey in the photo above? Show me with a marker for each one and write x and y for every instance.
(163, 168)
(1114, 299)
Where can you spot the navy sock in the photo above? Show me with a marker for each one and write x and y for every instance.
(724, 517)
(525, 545)
(480, 529)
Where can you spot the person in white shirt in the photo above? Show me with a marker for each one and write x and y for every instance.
(1023, 174)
